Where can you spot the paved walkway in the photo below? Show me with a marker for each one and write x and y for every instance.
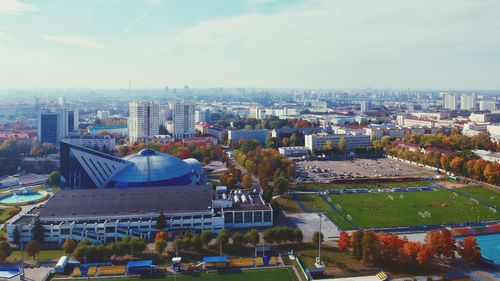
(309, 223)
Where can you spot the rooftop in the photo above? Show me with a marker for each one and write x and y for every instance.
(93, 202)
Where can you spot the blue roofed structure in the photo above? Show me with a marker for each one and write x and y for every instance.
(86, 168)
(215, 259)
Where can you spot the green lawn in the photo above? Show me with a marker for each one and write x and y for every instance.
(482, 193)
(287, 204)
(314, 203)
(276, 274)
(4, 213)
(43, 255)
(378, 210)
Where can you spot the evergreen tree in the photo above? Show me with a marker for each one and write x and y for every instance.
(161, 221)
(38, 231)
(357, 250)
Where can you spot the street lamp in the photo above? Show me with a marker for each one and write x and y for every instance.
(319, 263)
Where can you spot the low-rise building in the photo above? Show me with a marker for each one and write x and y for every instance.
(103, 143)
(317, 141)
(293, 151)
(121, 130)
(234, 136)
(488, 155)
(108, 215)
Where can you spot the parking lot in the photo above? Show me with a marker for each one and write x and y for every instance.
(318, 171)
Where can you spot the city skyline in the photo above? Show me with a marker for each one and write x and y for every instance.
(254, 43)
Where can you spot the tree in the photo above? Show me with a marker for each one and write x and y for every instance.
(33, 248)
(470, 250)
(237, 239)
(206, 237)
(298, 237)
(270, 235)
(69, 246)
(391, 246)
(252, 237)
(186, 243)
(280, 186)
(16, 236)
(137, 246)
(54, 179)
(316, 239)
(357, 251)
(247, 181)
(426, 254)
(369, 247)
(344, 241)
(38, 231)
(222, 238)
(196, 242)
(442, 242)
(177, 245)
(411, 250)
(5, 251)
(161, 235)
(341, 145)
(161, 221)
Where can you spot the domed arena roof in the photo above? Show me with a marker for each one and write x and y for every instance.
(151, 168)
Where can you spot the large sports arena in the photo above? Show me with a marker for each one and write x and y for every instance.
(84, 168)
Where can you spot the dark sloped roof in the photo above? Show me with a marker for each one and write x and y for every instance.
(94, 202)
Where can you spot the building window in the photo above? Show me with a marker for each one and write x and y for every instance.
(228, 217)
(110, 229)
(238, 217)
(65, 231)
(248, 217)
(257, 216)
(267, 216)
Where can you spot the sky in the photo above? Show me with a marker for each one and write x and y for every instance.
(418, 44)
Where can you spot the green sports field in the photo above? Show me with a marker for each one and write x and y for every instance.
(379, 210)
(276, 274)
(485, 194)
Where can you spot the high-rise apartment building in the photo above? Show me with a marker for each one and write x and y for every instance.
(144, 120)
(366, 106)
(183, 120)
(487, 105)
(450, 101)
(467, 102)
(202, 115)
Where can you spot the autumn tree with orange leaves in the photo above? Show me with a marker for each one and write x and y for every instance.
(470, 250)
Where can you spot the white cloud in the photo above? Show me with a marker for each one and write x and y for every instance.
(14, 7)
(77, 41)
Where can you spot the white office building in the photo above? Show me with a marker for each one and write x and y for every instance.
(183, 120)
(144, 120)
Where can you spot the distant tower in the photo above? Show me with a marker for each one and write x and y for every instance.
(61, 101)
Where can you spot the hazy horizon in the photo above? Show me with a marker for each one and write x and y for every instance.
(260, 44)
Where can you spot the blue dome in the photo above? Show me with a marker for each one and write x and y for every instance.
(151, 168)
